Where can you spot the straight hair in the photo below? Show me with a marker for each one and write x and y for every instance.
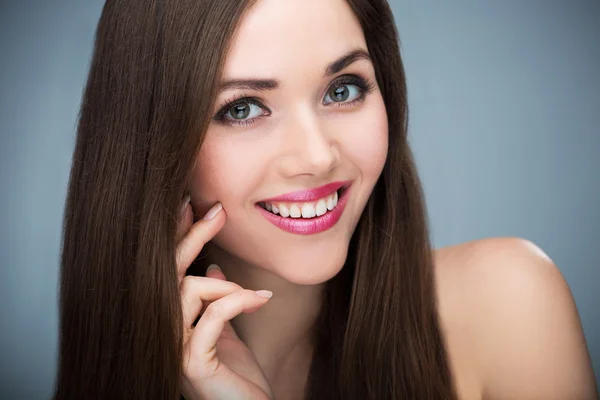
(145, 110)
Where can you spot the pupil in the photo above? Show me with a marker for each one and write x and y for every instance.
(341, 93)
(241, 111)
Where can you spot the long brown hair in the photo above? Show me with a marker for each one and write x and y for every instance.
(145, 110)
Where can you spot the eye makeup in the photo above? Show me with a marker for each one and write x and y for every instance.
(365, 87)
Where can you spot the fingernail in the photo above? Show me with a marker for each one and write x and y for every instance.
(186, 200)
(213, 211)
(264, 293)
(212, 267)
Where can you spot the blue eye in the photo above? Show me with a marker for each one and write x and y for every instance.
(236, 112)
(341, 93)
(244, 111)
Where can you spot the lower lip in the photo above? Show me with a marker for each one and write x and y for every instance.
(309, 226)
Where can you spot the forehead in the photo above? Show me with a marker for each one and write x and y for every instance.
(277, 37)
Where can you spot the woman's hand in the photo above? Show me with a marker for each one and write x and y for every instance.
(217, 365)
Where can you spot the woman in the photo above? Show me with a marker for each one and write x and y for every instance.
(283, 127)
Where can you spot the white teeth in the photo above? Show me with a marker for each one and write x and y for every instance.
(283, 210)
(308, 211)
(330, 203)
(321, 208)
(304, 210)
(295, 211)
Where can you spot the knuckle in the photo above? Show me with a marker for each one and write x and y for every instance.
(200, 233)
(182, 247)
(214, 310)
(242, 295)
(179, 259)
(186, 283)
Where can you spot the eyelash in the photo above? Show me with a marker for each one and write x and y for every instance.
(366, 86)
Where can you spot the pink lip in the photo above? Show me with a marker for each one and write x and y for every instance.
(309, 194)
(309, 226)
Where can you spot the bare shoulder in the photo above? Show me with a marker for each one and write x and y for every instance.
(510, 322)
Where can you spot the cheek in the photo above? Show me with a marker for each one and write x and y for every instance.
(227, 170)
(365, 141)
(216, 175)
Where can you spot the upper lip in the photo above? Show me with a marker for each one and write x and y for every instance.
(309, 194)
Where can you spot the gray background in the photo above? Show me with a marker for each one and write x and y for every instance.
(504, 102)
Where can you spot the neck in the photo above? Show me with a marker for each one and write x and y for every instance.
(280, 333)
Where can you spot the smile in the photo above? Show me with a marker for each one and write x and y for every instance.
(320, 210)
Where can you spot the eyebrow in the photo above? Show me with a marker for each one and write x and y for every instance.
(271, 84)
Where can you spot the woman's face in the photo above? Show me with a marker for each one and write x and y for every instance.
(313, 123)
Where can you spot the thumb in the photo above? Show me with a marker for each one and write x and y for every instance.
(213, 271)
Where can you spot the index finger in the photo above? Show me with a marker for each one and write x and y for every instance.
(200, 233)
(186, 218)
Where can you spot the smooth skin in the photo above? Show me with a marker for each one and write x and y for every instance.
(508, 316)
(511, 324)
(512, 328)
(216, 364)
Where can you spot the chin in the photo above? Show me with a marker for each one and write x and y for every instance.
(312, 269)
(302, 264)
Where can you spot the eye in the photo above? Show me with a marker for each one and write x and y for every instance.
(341, 93)
(237, 111)
(246, 110)
(349, 87)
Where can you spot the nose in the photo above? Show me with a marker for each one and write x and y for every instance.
(308, 147)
